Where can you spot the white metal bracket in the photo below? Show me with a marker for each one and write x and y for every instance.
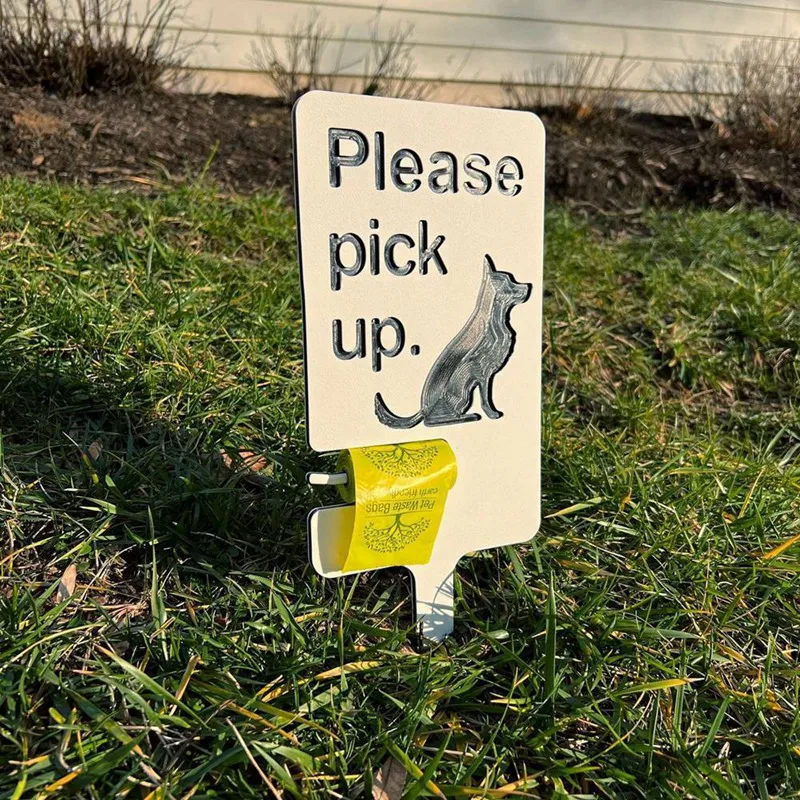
(328, 533)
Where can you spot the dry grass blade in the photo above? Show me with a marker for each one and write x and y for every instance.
(36, 124)
(267, 782)
(776, 551)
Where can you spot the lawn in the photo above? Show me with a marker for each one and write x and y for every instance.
(644, 644)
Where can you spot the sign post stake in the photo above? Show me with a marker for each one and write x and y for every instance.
(433, 601)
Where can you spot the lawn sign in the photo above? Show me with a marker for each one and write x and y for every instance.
(420, 232)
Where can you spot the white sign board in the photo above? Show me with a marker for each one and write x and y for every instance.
(421, 243)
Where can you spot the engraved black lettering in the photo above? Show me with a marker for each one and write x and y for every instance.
(429, 252)
(448, 174)
(484, 181)
(335, 158)
(379, 351)
(359, 350)
(380, 166)
(374, 248)
(388, 254)
(337, 267)
(398, 170)
(508, 169)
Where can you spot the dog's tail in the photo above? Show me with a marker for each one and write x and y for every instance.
(392, 420)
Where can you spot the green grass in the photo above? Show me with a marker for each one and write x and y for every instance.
(643, 645)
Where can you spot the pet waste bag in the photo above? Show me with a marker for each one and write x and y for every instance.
(399, 493)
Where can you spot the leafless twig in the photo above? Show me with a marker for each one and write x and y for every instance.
(581, 85)
(79, 46)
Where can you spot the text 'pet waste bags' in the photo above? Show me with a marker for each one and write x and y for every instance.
(399, 493)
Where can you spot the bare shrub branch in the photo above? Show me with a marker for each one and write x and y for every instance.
(298, 67)
(386, 64)
(762, 88)
(693, 91)
(754, 94)
(577, 86)
(81, 46)
(390, 66)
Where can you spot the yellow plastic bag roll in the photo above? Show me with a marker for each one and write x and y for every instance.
(399, 491)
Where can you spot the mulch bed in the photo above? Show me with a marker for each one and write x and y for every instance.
(146, 141)
(636, 160)
(612, 167)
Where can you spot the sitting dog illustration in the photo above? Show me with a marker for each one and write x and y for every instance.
(472, 359)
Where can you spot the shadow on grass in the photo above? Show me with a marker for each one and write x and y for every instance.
(102, 483)
(82, 454)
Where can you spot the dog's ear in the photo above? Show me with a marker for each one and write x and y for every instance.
(488, 264)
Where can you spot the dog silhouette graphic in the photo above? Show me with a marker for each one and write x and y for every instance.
(471, 360)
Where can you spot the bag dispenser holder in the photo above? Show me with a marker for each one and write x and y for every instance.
(432, 583)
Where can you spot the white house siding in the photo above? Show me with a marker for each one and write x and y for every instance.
(474, 45)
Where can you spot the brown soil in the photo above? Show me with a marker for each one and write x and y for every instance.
(146, 141)
(621, 165)
(608, 166)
